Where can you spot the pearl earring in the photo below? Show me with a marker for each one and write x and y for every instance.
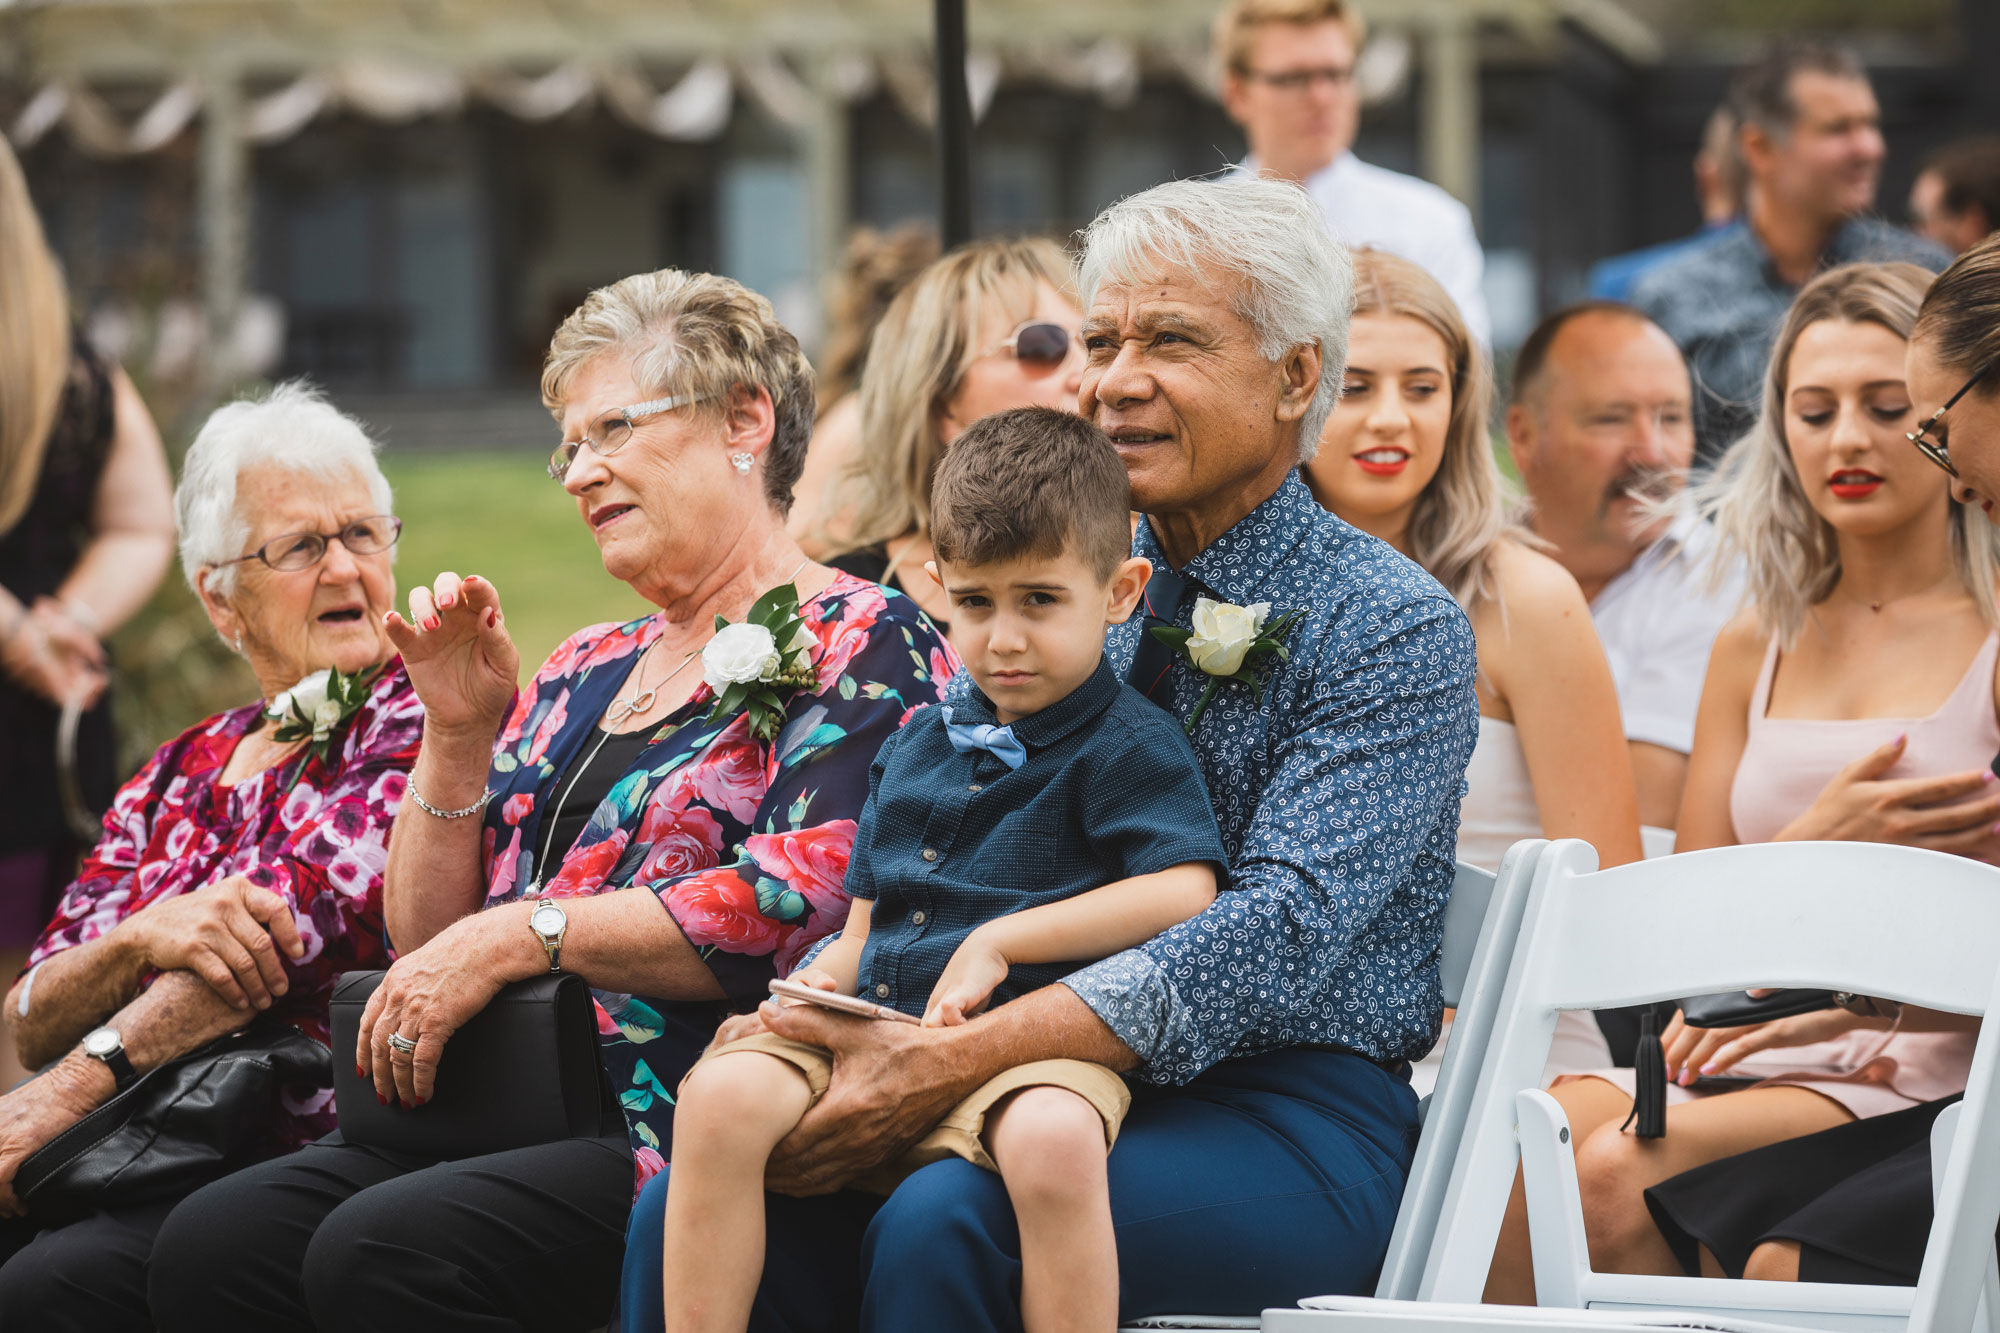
(741, 461)
(238, 645)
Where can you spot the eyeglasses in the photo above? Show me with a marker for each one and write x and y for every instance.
(302, 550)
(1039, 346)
(1931, 449)
(1335, 77)
(613, 431)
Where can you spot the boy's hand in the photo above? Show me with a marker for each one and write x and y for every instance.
(818, 980)
(967, 983)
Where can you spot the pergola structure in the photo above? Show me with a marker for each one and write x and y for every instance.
(255, 71)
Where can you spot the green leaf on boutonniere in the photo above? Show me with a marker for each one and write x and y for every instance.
(1229, 644)
(318, 709)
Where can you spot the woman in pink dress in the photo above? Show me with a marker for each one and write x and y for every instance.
(1854, 699)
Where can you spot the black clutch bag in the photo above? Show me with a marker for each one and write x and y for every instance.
(525, 1070)
(176, 1128)
(1738, 1008)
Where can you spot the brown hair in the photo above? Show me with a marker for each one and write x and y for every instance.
(34, 342)
(1969, 170)
(1032, 481)
(1533, 358)
(1960, 317)
(876, 265)
(1464, 514)
(695, 334)
(1236, 26)
(918, 355)
(1761, 93)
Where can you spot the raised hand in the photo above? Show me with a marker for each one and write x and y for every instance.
(460, 657)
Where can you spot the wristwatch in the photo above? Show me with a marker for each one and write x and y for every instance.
(104, 1044)
(548, 921)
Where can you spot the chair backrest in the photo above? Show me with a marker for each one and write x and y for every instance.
(1480, 924)
(1915, 926)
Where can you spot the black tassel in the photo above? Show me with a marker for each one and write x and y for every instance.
(1649, 1082)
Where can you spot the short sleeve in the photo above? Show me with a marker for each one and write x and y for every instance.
(1147, 809)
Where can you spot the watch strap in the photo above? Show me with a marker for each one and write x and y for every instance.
(123, 1075)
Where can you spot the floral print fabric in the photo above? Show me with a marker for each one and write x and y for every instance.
(316, 834)
(745, 842)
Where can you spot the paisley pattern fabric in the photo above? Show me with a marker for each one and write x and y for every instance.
(745, 842)
(314, 833)
(1337, 796)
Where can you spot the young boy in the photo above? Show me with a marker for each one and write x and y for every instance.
(1046, 819)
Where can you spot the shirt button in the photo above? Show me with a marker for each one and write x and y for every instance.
(930, 853)
(916, 918)
(882, 989)
(973, 787)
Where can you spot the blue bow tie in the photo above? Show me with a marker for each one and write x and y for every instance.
(996, 741)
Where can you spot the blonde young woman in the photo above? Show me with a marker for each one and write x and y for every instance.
(86, 533)
(1405, 457)
(1855, 699)
(991, 326)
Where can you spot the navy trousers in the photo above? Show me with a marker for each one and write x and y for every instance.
(1265, 1180)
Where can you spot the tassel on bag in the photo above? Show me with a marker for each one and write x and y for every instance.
(1649, 1082)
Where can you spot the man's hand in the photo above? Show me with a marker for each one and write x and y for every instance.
(38, 1110)
(892, 1083)
(977, 966)
(228, 934)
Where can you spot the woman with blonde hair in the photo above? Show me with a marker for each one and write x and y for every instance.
(991, 326)
(1857, 698)
(1405, 457)
(86, 533)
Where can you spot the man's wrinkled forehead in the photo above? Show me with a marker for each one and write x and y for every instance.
(1182, 301)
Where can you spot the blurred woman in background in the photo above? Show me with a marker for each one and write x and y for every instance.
(86, 533)
(990, 326)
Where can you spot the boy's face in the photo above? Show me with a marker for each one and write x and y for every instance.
(1030, 629)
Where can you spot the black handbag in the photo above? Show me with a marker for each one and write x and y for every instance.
(1738, 1008)
(178, 1127)
(524, 1071)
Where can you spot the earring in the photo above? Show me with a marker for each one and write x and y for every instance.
(741, 460)
(238, 644)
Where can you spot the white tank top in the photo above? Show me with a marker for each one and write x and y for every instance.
(1499, 806)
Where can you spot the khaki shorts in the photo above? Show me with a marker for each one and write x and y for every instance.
(960, 1133)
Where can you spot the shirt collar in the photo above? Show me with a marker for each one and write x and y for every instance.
(1236, 564)
(1059, 719)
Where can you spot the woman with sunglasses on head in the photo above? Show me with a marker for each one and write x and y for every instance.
(240, 872)
(991, 326)
(608, 819)
(1857, 698)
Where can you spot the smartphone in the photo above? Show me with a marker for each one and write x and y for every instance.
(1724, 1082)
(834, 1000)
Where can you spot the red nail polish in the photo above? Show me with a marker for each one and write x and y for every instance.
(431, 623)
(380, 1098)
(359, 1072)
(420, 1102)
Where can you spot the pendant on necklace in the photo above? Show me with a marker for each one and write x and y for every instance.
(623, 708)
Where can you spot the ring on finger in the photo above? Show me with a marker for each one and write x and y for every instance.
(401, 1044)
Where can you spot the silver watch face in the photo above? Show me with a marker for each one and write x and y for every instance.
(102, 1042)
(547, 920)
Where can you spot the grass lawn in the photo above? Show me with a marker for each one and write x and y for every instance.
(500, 517)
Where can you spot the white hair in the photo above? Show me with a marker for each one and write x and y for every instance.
(1294, 282)
(293, 428)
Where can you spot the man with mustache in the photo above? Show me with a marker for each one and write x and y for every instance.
(1811, 137)
(1600, 424)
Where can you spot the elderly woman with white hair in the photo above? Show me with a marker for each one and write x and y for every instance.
(240, 872)
(617, 818)
(1266, 1150)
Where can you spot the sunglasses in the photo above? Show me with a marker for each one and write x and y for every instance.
(1039, 346)
(302, 550)
(613, 431)
(1931, 449)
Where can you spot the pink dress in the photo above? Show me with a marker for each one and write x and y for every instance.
(1786, 763)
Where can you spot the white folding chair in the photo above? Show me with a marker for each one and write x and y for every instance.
(1914, 926)
(1479, 926)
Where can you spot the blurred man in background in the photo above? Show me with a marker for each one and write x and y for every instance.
(1811, 140)
(1288, 80)
(1600, 422)
(1718, 188)
(1956, 198)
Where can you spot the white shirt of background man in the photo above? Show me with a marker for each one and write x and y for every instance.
(1385, 210)
(1658, 620)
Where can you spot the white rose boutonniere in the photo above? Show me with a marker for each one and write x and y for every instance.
(747, 668)
(316, 708)
(1229, 643)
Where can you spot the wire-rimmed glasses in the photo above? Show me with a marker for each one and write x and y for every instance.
(613, 431)
(1931, 449)
(294, 551)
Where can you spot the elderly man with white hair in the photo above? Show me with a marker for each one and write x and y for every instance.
(1268, 1037)
(240, 872)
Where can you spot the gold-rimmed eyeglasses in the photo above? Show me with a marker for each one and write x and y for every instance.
(1930, 448)
(613, 431)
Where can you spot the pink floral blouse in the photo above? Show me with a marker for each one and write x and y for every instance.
(316, 834)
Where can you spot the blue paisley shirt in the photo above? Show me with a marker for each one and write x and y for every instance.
(1337, 797)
